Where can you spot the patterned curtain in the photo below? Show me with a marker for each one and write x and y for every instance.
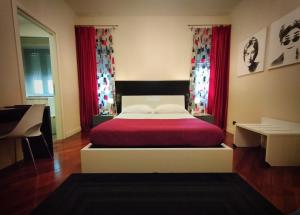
(105, 71)
(199, 76)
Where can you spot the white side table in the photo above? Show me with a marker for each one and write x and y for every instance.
(280, 138)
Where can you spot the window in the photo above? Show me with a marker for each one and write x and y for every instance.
(202, 70)
(37, 66)
(199, 77)
(105, 71)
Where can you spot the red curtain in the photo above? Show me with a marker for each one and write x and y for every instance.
(219, 75)
(87, 78)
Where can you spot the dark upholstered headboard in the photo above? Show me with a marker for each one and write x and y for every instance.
(128, 88)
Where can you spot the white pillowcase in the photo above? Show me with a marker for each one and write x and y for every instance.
(170, 108)
(139, 108)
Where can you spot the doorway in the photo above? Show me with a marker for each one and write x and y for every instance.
(37, 47)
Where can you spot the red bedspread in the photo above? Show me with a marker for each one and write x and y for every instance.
(156, 133)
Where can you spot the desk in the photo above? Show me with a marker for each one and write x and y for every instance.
(9, 117)
(280, 138)
(7, 120)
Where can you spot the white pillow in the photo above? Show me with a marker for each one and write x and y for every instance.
(139, 108)
(170, 108)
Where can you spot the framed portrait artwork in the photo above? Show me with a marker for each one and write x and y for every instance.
(284, 40)
(251, 54)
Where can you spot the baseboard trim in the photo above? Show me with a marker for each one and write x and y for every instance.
(230, 130)
(72, 132)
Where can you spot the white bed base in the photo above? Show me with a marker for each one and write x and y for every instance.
(160, 160)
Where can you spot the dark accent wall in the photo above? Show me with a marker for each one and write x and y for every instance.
(151, 88)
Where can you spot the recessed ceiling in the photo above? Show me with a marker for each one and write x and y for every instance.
(152, 7)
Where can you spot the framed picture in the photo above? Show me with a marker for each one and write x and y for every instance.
(284, 40)
(251, 54)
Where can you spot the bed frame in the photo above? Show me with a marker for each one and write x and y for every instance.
(144, 88)
(149, 160)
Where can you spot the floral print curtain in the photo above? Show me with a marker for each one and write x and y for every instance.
(199, 76)
(105, 71)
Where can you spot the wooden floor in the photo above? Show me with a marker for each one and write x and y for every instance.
(21, 189)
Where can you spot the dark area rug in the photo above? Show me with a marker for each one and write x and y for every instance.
(184, 194)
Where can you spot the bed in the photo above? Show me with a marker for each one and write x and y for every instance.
(163, 141)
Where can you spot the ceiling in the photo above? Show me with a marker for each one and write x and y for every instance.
(152, 7)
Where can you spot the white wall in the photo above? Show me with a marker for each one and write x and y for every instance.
(273, 93)
(152, 47)
(10, 91)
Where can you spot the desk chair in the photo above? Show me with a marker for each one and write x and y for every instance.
(29, 126)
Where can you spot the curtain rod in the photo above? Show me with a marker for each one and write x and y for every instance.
(206, 25)
(192, 27)
(99, 26)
